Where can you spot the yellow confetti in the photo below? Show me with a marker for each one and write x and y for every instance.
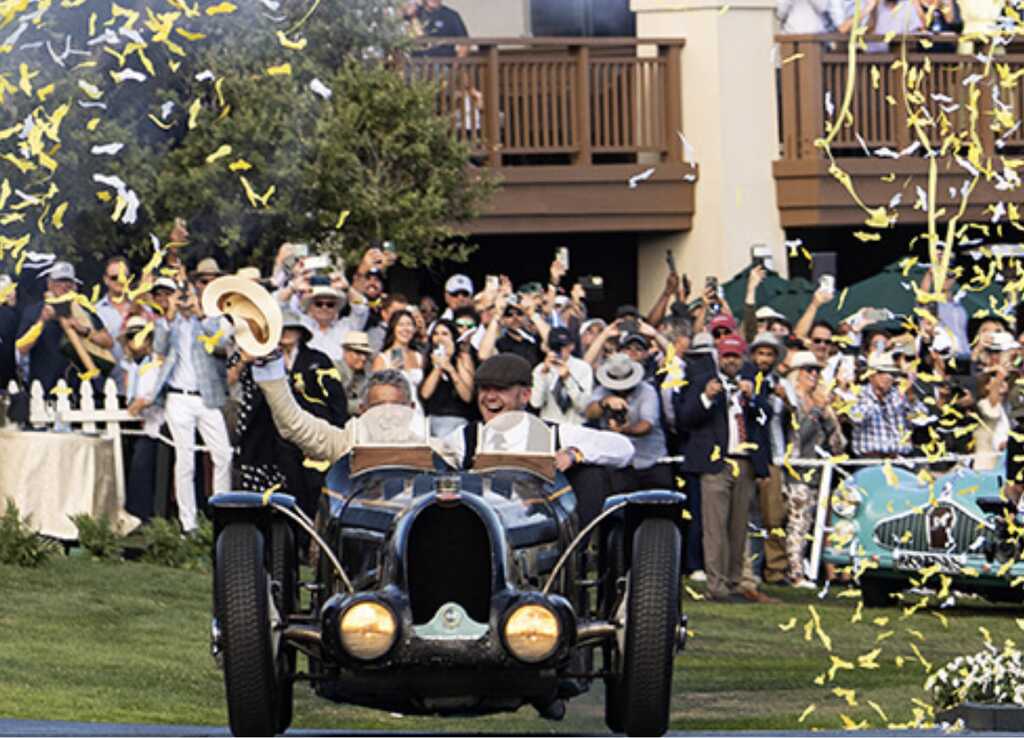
(58, 215)
(210, 342)
(849, 695)
(280, 70)
(193, 113)
(791, 58)
(874, 706)
(254, 199)
(920, 657)
(320, 466)
(239, 165)
(343, 216)
(88, 376)
(725, 9)
(865, 237)
(869, 659)
(806, 713)
(289, 44)
(30, 336)
(791, 623)
(693, 593)
(858, 614)
(220, 153)
(221, 8)
(837, 664)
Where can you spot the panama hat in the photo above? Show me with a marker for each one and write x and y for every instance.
(620, 373)
(883, 361)
(804, 360)
(255, 313)
(319, 291)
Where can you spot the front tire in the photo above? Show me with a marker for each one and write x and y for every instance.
(242, 601)
(642, 695)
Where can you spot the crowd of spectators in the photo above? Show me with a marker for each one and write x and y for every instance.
(725, 408)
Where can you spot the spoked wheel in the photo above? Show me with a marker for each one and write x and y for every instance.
(284, 570)
(246, 611)
(638, 700)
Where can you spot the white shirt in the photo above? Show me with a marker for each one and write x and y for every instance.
(329, 341)
(142, 379)
(183, 376)
(578, 386)
(733, 414)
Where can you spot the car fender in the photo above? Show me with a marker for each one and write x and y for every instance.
(636, 507)
(249, 507)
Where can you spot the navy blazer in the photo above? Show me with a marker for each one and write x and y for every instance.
(707, 427)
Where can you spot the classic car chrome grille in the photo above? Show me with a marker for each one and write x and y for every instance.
(449, 560)
(956, 536)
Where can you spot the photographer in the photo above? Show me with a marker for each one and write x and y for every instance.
(626, 404)
(562, 384)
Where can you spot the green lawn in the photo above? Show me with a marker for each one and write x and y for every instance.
(128, 642)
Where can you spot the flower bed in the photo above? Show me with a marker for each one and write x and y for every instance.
(985, 689)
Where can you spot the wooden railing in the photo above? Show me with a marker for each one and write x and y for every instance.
(815, 67)
(587, 99)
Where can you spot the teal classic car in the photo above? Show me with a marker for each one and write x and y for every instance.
(954, 534)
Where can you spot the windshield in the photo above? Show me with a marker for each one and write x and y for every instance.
(391, 425)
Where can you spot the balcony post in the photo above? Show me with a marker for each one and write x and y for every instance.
(492, 113)
(583, 155)
(789, 83)
(673, 100)
(811, 78)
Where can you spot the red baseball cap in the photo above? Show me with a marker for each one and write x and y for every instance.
(731, 344)
(722, 321)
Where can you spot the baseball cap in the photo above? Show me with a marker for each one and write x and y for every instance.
(135, 323)
(592, 322)
(504, 370)
(458, 283)
(559, 338)
(63, 270)
(769, 313)
(731, 344)
(627, 311)
(720, 322)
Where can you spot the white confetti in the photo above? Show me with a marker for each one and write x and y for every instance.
(689, 152)
(109, 149)
(829, 107)
(205, 76)
(166, 109)
(133, 75)
(319, 88)
(642, 177)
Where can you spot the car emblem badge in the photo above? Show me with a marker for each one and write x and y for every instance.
(451, 618)
(940, 521)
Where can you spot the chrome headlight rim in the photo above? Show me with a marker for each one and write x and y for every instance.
(362, 602)
(521, 606)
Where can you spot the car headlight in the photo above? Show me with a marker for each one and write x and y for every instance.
(842, 533)
(368, 630)
(532, 633)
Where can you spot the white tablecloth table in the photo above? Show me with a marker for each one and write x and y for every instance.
(53, 476)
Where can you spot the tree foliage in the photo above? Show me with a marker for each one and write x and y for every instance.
(228, 132)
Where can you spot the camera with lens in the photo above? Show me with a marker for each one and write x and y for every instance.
(609, 416)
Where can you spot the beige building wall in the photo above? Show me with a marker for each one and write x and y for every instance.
(729, 117)
(493, 18)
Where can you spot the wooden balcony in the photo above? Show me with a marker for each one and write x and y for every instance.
(566, 122)
(809, 196)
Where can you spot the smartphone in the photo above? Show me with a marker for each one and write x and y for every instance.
(313, 263)
(711, 283)
(562, 255)
(671, 261)
(492, 283)
(439, 352)
(827, 283)
(388, 247)
(761, 255)
(300, 250)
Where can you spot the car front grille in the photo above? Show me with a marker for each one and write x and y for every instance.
(952, 530)
(448, 560)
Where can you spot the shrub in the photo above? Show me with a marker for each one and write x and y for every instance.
(97, 536)
(989, 676)
(164, 544)
(19, 544)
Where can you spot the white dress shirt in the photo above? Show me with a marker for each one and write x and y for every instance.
(578, 386)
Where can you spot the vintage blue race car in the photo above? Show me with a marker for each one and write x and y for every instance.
(895, 531)
(448, 592)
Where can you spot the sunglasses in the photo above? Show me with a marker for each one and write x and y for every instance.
(204, 280)
(513, 314)
(325, 303)
(821, 341)
(459, 293)
(465, 324)
(111, 277)
(719, 332)
(810, 369)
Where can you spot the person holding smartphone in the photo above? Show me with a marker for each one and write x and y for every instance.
(398, 352)
(447, 389)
